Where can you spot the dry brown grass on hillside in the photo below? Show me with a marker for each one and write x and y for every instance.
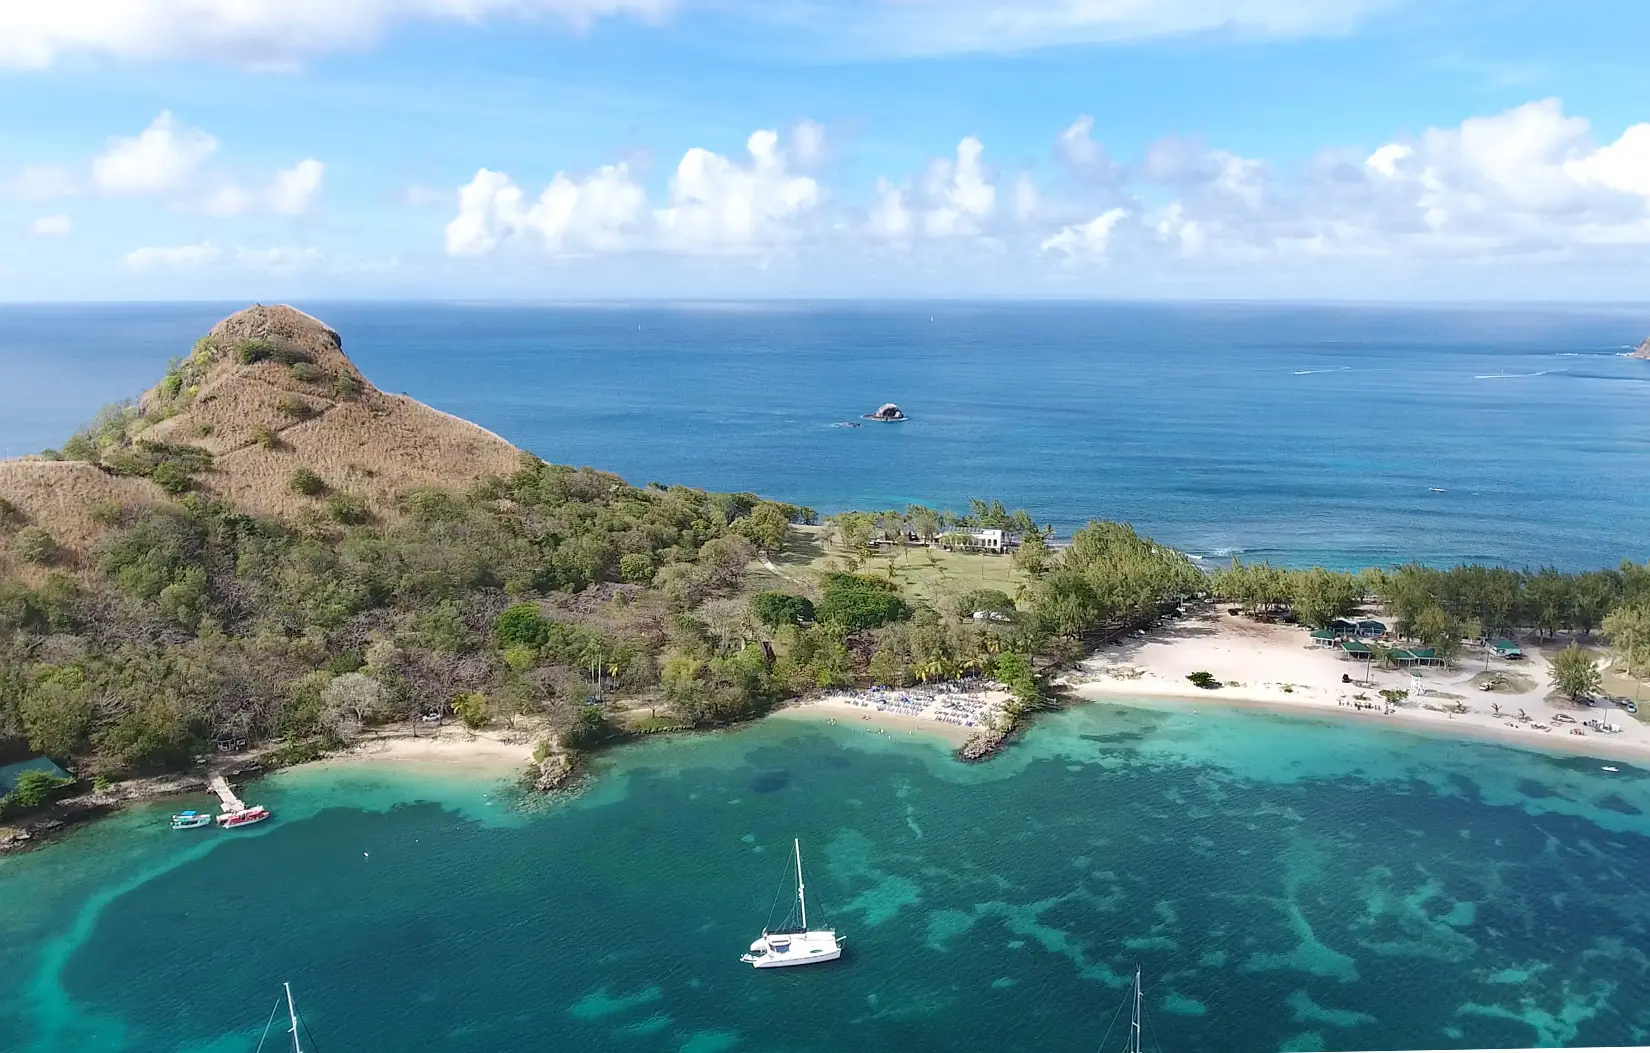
(357, 438)
(58, 497)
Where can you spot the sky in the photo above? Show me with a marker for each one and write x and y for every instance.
(556, 150)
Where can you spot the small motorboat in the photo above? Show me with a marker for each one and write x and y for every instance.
(1438, 489)
(243, 817)
(1611, 767)
(191, 820)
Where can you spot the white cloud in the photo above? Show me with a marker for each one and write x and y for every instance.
(593, 213)
(176, 257)
(961, 194)
(889, 217)
(277, 260)
(1077, 149)
(1085, 239)
(160, 159)
(808, 144)
(1386, 160)
(722, 205)
(1623, 165)
(51, 226)
(44, 183)
(295, 188)
(953, 26)
(227, 200)
(258, 33)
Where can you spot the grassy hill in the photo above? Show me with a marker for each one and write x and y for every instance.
(267, 392)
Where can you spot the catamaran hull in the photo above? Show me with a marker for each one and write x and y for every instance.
(773, 961)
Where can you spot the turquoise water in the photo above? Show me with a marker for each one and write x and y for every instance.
(1298, 434)
(1283, 884)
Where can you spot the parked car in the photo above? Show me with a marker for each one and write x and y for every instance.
(1626, 703)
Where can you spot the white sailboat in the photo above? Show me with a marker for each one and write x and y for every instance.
(292, 1017)
(1131, 1043)
(794, 946)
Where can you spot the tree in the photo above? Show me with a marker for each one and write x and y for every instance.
(1321, 596)
(1574, 672)
(1628, 630)
(773, 609)
(854, 602)
(766, 526)
(1033, 556)
(590, 728)
(351, 700)
(989, 601)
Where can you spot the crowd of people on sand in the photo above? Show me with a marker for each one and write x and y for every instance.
(963, 703)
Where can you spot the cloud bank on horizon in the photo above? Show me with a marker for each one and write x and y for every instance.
(351, 152)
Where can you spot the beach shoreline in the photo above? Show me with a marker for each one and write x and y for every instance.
(1276, 669)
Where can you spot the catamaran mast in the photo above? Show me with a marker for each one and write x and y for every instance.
(801, 900)
(292, 1014)
(1134, 1018)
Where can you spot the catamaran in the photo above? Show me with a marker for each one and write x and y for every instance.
(1131, 1043)
(292, 1017)
(798, 945)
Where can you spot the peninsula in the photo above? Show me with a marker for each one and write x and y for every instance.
(264, 559)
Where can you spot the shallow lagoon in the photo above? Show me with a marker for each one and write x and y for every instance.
(1283, 883)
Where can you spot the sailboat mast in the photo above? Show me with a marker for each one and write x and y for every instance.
(1134, 1019)
(292, 1014)
(801, 900)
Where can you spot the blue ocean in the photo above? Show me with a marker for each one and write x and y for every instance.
(1346, 435)
(1282, 884)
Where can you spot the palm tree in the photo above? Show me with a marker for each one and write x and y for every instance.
(1495, 708)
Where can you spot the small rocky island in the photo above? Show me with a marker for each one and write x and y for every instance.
(890, 412)
(1643, 349)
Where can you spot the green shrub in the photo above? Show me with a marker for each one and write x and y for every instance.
(204, 428)
(1204, 679)
(774, 609)
(33, 545)
(303, 481)
(264, 436)
(521, 626)
(264, 349)
(80, 447)
(636, 568)
(347, 386)
(472, 708)
(35, 788)
(853, 602)
(308, 372)
(172, 478)
(294, 407)
(11, 517)
(171, 385)
(590, 728)
(348, 509)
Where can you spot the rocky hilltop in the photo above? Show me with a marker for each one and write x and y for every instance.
(1643, 349)
(267, 392)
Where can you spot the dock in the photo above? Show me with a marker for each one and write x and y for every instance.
(231, 803)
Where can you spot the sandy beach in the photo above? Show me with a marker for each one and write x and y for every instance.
(1279, 669)
(451, 746)
(878, 713)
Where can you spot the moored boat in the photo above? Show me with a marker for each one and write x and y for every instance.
(244, 817)
(794, 945)
(190, 820)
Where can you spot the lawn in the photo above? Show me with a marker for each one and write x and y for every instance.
(930, 574)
